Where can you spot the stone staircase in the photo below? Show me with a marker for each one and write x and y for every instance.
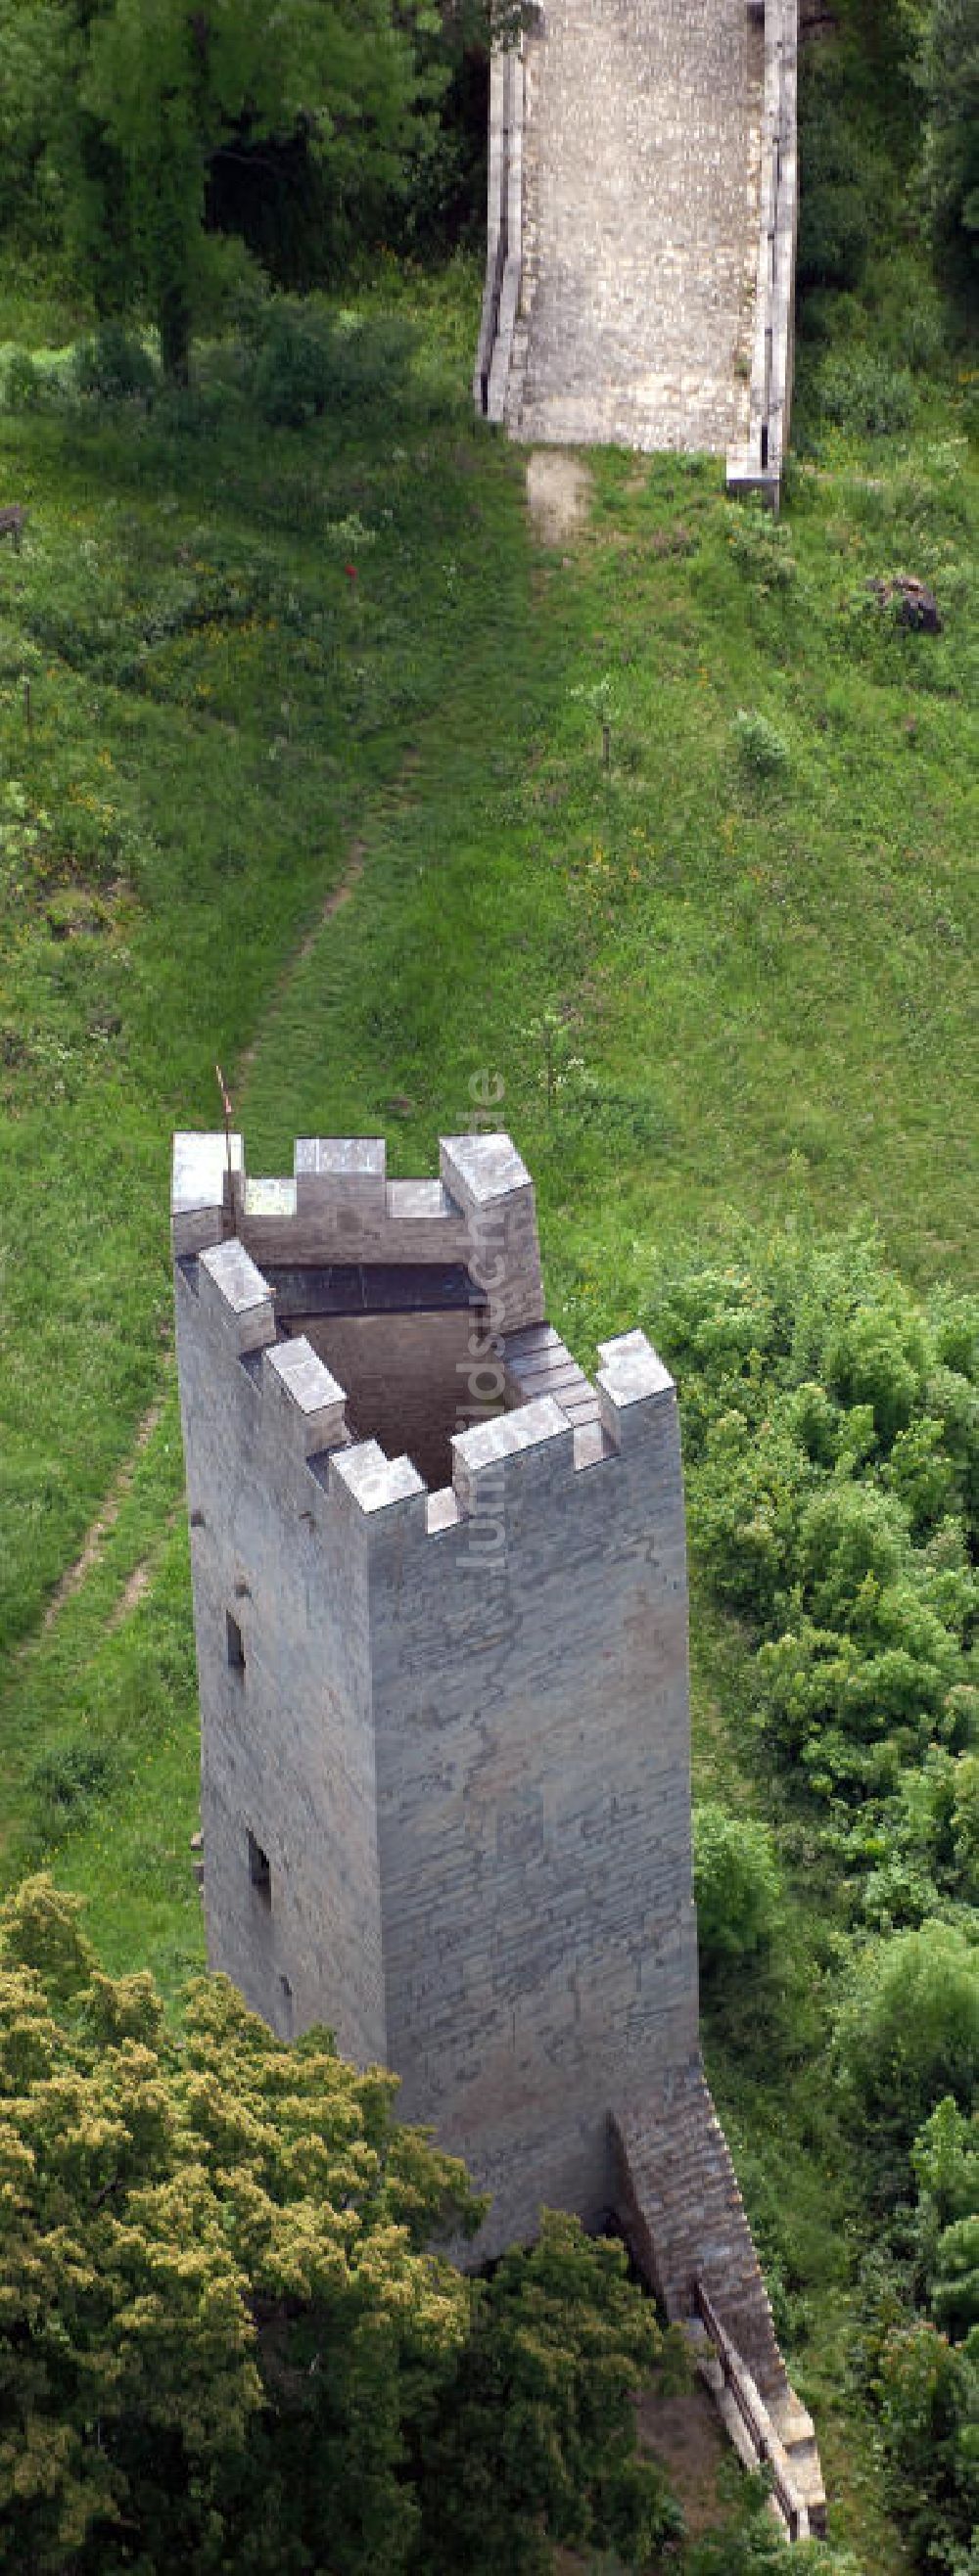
(640, 153)
(797, 2434)
(678, 2200)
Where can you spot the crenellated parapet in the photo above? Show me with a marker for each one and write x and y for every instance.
(338, 1206)
(537, 1443)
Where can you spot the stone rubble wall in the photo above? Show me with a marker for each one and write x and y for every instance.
(504, 254)
(678, 2200)
(677, 2192)
(287, 1737)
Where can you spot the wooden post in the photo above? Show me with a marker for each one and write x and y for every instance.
(226, 1107)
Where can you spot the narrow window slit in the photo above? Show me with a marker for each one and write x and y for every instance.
(259, 1871)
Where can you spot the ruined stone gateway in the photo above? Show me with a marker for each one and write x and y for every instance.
(641, 230)
(440, 1603)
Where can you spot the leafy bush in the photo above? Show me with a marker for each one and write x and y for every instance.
(68, 1779)
(950, 79)
(737, 1884)
(761, 547)
(309, 359)
(970, 413)
(832, 1442)
(876, 1357)
(864, 394)
(829, 314)
(955, 2283)
(558, 2454)
(965, 1823)
(833, 198)
(751, 2543)
(929, 2404)
(832, 234)
(945, 2158)
(925, 2356)
(921, 335)
(761, 747)
(908, 2031)
(23, 383)
(114, 367)
(931, 1841)
(292, 378)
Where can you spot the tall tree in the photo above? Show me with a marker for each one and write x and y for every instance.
(950, 79)
(147, 92)
(224, 2339)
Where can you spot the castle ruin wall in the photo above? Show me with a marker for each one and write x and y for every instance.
(445, 1766)
(534, 1808)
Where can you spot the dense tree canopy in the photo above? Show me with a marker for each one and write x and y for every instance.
(223, 2339)
(950, 77)
(163, 85)
(832, 1446)
(115, 112)
(938, 44)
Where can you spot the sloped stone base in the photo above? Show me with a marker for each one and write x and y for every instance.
(678, 2201)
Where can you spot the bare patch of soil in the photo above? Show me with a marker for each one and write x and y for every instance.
(558, 494)
(138, 1583)
(399, 788)
(339, 895)
(73, 1577)
(133, 1591)
(686, 2436)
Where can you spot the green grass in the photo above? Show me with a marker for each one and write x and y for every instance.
(756, 936)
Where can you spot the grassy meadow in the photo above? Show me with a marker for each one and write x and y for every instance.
(727, 977)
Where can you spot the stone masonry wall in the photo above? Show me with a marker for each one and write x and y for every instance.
(456, 1730)
(287, 1740)
(406, 1379)
(445, 1782)
(755, 463)
(640, 223)
(533, 1785)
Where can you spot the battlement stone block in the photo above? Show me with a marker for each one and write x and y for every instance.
(234, 1292)
(269, 1199)
(334, 1172)
(376, 1483)
(534, 1433)
(315, 1404)
(408, 1200)
(488, 1180)
(480, 1170)
(204, 1169)
(631, 1383)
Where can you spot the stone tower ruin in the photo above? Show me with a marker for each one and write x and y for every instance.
(440, 1607)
